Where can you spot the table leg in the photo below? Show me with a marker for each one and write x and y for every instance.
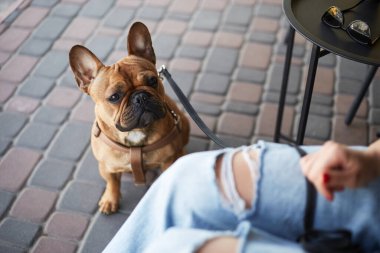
(363, 90)
(308, 94)
(284, 85)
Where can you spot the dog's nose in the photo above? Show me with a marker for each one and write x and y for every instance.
(140, 98)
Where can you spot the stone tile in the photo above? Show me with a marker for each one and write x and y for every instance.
(36, 47)
(255, 55)
(263, 37)
(17, 68)
(11, 39)
(51, 115)
(354, 134)
(84, 111)
(71, 142)
(101, 45)
(293, 82)
(8, 248)
(231, 141)
(228, 39)
(11, 124)
(250, 75)
(102, 231)
(374, 116)
(216, 5)
(65, 225)
(352, 70)
(49, 244)
(197, 38)
(212, 83)
(268, 10)
(349, 86)
(37, 87)
(324, 81)
(81, 197)
(274, 97)
(245, 92)
(207, 98)
(119, 17)
(130, 196)
(51, 28)
(33, 205)
(96, 8)
(31, 17)
(6, 91)
(10, 231)
(240, 107)
(68, 80)
(321, 110)
(52, 174)
(22, 104)
(165, 45)
(206, 20)
(206, 108)
(238, 15)
(44, 3)
(183, 7)
(151, 13)
(64, 44)
(65, 10)
(374, 133)
(36, 136)
(298, 50)
(4, 144)
(88, 170)
(172, 26)
(184, 64)
(208, 120)
(227, 124)
(4, 56)
(344, 102)
(15, 171)
(374, 92)
(262, 24)
(53, 64)
(80, 28)
(221, 60)
(6, 199)
(266, 121)
(197, 144)
(185, 80)
(63, 97)
(318, 127)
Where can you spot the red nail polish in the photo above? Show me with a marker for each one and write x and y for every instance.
(326, 178)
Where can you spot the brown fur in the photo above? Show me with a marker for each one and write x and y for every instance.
(126, 76)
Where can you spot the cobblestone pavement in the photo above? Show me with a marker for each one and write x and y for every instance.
(227, 56)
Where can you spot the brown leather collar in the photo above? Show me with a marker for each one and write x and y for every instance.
(136, 152)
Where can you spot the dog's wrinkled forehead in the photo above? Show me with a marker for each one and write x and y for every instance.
(134, 68)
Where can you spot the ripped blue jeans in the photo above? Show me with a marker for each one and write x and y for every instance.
(185, 208)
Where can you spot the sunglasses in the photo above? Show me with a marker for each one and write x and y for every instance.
(357, 29)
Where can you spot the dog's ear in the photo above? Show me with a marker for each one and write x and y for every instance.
(85, 66)
(140, 43)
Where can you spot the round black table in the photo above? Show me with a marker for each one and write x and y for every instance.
(305, 17)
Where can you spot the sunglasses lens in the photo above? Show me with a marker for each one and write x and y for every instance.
(360, 31)
(333, 17)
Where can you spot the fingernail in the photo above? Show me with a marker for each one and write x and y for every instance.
(326, 178)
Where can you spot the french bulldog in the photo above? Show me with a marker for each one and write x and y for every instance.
(137, 126)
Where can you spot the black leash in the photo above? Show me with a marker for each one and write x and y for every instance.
(189, 108)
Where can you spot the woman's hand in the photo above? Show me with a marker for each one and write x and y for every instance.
(335, 167)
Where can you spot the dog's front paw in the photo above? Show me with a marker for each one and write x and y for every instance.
(109, 203)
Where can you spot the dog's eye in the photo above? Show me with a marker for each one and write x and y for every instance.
(114, 98)
(152, 81)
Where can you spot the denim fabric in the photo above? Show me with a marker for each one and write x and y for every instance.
(184, 208)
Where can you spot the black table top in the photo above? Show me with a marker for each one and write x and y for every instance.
(305, 17)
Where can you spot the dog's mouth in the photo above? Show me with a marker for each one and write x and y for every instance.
(143, 109)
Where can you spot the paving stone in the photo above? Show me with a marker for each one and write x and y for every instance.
(18, 232)
(227, 124)
(374, 116)
(11, 124)
(130, 196)
(208, 120)
(4, 144)
(245, 92)
(266, 25)
(228, 39)
(96, 8)
(33, 205)
(298, 50)
(231, 141)
(268, 10)
(44, 3)
(36, 86)
(374, 91)
(321, 110)
(327, 60)
(53, 64)
(180, 6)
(17, 68)
(65, 10)
(184, 64)
(151, 12)
(22, 104)
(71, 142)
(206, 20)
(37, 136)
(318, 127)
(238, 15)
(266, 121)
(101, 45)
(63, 97)
(250, 75)
(9, 248)
(80, 197)
(49, 244)
(165, 45)
(102, 231)
(322, 99)
(274, 97)
(207, 98)
(240, 107)
(221, 60)
(324, 81)
(354, 134)
(30, 17)
(80, 28)
(184, 80)
(6, 199)
(51, 28)
(51, 115)
(88, 170)
(212, 83)
(197, 38)
(84, 111)
(205, 108)
(349, 86)
(255, 55)
(119, 17)
(68, 79)
(197, 144)
(344, 102)
(11, 39)
(275, 79)
(263, 37)
(352, 70)
(4, 56)
(52, 174)
(171, 26)
(36, 47)
(65, 225)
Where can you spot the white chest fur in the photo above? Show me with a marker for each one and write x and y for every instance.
(135, 137)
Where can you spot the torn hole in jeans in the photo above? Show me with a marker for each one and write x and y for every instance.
(237, 172)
